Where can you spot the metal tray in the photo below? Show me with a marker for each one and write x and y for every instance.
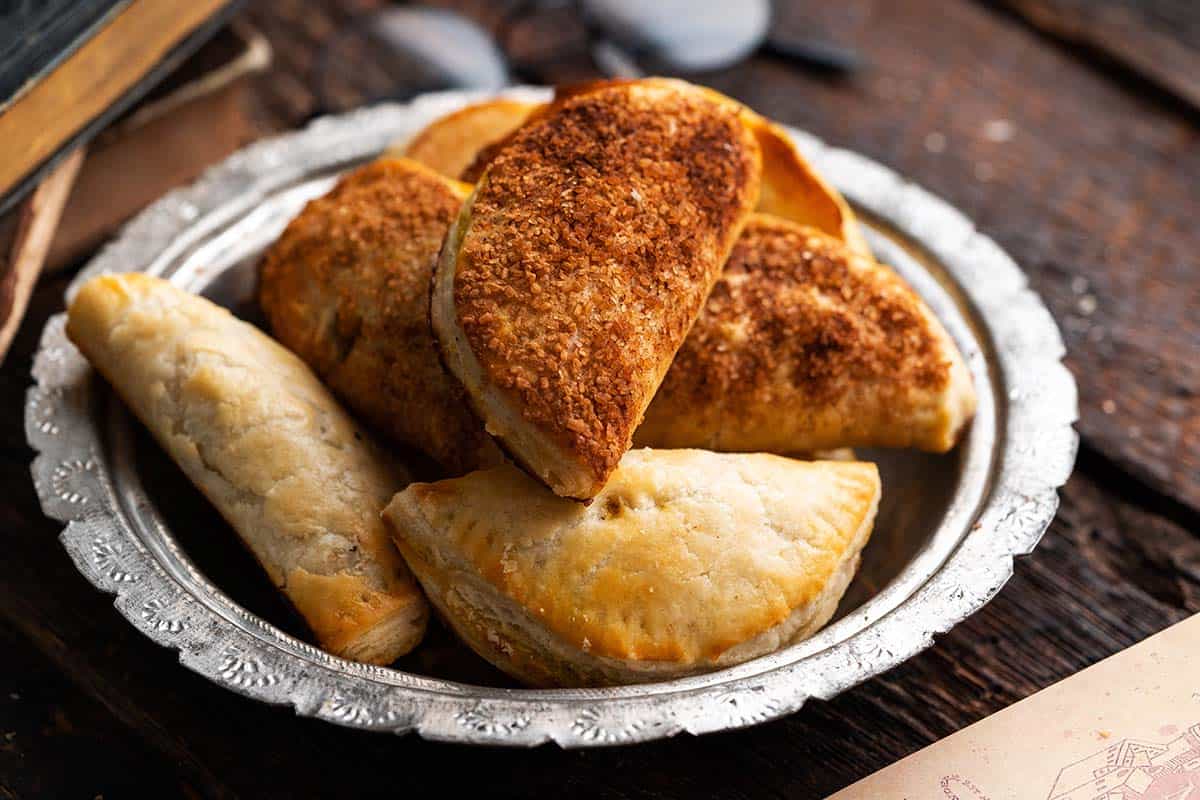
(944, 544)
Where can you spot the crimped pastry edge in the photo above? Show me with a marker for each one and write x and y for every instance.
(509, 637)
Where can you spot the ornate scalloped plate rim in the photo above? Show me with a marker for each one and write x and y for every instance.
(1035, 458)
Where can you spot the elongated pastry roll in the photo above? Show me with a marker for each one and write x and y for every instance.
(687, 561)
(805, 345)
(579, 263)
(346, 287)
(256, 432)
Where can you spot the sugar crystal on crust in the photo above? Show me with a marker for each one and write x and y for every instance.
(594, 237)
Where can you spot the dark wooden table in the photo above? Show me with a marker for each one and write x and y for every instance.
(1057, 135)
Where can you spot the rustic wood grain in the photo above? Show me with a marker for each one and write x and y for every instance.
(1087, 182)
(36, 220)
(46, 723)
(1158, 39)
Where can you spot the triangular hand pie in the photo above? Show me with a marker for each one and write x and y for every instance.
(580, 261)
(346, 287)
(687, 561)
(804, 345)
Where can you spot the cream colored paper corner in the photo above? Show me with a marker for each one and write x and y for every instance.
(1127, 728)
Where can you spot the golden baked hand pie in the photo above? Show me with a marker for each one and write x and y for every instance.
(791, 188)
(346, 287)
(806, 345)
(462, 144)
(260, 436)
(687, 561)
(450, 144)
(579, 263)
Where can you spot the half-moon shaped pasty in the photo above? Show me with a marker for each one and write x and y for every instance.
(805, 345)
(580, 262)
(346, 287)
(461, 145)
(687, 561)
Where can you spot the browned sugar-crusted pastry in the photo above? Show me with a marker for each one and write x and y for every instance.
(791, 188)
(449, 144)
(687, 561)
(463, 143)
(805, 345)
(254, 429)
(346, 287)
(579, 263)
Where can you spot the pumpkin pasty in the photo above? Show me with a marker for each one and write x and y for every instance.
(580, 262)
(687, 561)
(451, 143)
(259, 435)
(346, 287)
(804, 345)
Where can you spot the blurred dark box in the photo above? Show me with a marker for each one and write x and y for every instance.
(69, 67)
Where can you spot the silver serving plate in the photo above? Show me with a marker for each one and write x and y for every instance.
(944, 543)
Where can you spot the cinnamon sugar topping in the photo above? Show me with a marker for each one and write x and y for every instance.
(593, 239)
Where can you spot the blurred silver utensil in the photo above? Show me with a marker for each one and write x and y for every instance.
(452, 49)
(399, 52)
(682, 35)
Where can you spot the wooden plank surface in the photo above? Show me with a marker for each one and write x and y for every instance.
(1157, 39)
(1089, 183)
(45, 720)
(36, 222)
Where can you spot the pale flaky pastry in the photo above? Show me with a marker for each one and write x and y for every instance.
(462, 144)
(580, 262)
(260, 436)
(346, 287)
(806, 345)
(687, 561)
